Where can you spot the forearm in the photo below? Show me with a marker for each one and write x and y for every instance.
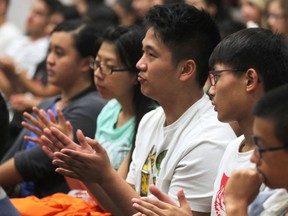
(120, 192)
(35, 88)
(235, 209)
(104, 201)
(9, 175)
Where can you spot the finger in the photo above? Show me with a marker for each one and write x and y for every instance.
(35, 140)
(47, 142)
(62, 160)
(182, 200)
(63, 140)
(71, 158)
(138, 214)
(144, 209)
(52, 141)
(52, 116)
(67, 173)
(161, 196)
(48, 152)
(33, 120)
(31, 128)
(61, 118)
(43, 118)
(83, 142)
(69, 130)
(95, 145)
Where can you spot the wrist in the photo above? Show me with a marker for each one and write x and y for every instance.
(18, 71)
(236, 209)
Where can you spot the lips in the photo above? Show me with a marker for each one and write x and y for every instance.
(141, 79)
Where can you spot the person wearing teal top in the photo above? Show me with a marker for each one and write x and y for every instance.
(116, 141)
(115, 76)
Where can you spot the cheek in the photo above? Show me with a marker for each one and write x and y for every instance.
(274, 172)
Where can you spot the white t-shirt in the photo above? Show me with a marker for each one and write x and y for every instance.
(8, 34)
(28, 54)
(232, 160)
(185, 154)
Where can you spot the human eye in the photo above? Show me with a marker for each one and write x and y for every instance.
(216, 77)
(59, 52)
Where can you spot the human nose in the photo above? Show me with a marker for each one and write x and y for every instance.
(211, 91)
(98, 74)
(50, 59)
(140, 65)
(255, 158)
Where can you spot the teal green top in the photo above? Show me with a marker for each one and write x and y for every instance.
(116, 141)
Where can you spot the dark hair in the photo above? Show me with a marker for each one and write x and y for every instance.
(53, 5)
(85, 37)
(84, 34)
(128, 46)
(4, 126)
(102, 16)
(274, 106)
(187, 32)
(255, 48)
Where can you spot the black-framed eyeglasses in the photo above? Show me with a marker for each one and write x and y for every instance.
(260, 151)
(214, 74)
(106, 69)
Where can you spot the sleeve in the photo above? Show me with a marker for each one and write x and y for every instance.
(83, 114)
(33, 164)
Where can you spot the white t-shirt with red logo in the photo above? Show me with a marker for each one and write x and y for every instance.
(231, 160)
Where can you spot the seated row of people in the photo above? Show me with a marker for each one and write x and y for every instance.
(180, 144)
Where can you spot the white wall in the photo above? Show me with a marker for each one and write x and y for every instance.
(18, 11)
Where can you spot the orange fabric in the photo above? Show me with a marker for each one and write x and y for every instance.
(58, 204)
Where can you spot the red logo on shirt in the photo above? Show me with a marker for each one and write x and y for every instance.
(219, 199)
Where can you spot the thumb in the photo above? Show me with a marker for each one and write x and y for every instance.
(160, 195)
(69, 128)
(82, 140)
(182, 200)
(95, 145)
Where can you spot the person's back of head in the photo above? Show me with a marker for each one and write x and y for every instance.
(255, 48)
(187, 32)
(102, 16)
(274, 106)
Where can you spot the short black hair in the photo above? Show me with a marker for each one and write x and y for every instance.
(53, 5)
(188, 33)
(274, 106)
(255, 48)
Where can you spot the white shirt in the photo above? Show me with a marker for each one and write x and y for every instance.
(8, 34)
(28, 54)
(185, 154)
(232, 160)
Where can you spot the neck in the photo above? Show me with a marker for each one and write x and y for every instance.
(175, 105)
(34, 37)
(127, 111)
(246, 127)
(68, 94)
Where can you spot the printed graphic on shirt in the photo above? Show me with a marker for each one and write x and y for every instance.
(147, 174)
(219, 199)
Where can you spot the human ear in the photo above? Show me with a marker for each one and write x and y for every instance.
(188, 69)
(252, 78)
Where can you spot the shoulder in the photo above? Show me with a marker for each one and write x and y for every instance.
(89, 99)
